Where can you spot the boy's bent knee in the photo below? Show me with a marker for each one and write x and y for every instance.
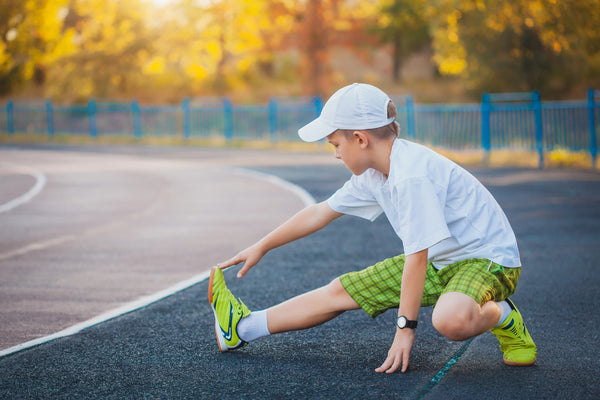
(454, 319)
(454, 326)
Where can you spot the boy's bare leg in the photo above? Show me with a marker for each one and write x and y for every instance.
(310, 309)
(459, 317)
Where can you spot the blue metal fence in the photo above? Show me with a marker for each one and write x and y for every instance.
(501, 120)
(452, 126)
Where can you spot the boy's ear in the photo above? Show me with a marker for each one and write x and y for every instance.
(362, 138)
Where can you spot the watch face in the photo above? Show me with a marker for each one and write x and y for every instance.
(401, 322)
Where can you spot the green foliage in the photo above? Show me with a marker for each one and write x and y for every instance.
(76, 49)
(518, 45)
(404, 24)
(31, 38)
(108, 39)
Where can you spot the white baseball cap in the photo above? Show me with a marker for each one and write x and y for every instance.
(357, 106)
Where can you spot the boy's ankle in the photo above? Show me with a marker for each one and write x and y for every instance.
(254, 326)
(505, 310)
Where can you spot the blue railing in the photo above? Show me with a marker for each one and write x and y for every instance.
(501, 120)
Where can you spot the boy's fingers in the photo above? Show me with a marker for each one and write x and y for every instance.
(387, 364)
(396, 365)
(405, 360)
(242, 272)
(383, 366)
(232, 261)
(393, 362)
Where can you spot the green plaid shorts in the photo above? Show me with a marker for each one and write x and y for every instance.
(377, 288)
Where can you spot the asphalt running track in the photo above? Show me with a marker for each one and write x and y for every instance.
(97, 230)
(168, 350)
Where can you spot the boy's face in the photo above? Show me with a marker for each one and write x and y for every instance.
(349, 150)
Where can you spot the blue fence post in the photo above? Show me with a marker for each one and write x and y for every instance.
(10, 118)
(410, 118)
(539, 128)
(137, 121)
(91, 108)
(185, 109)
(592, 122)
(50, 118)
(486, 142)
(273, 128)
(227, 119)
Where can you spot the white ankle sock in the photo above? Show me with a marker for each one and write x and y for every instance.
(253, 326)
(505, 310)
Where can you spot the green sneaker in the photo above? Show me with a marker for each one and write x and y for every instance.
(515, 342)
(228, 312)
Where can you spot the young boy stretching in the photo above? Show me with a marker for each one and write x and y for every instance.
(461, 254)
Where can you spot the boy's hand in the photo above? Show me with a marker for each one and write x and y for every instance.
(250, 257)
(399, 353)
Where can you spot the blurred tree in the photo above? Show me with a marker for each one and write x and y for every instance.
(32, 37)
(518, 45)
(76, 49)
(404, 24)
(111, 43)
(216, 44)
(315, 24)
(324, 25)
(276, 22)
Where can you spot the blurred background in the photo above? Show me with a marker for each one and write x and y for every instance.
(162, 51)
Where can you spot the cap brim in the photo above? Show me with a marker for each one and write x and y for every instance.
(316, 130)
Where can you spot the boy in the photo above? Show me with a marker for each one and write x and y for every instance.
(460, 255)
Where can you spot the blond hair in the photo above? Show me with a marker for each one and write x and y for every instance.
(384, 132)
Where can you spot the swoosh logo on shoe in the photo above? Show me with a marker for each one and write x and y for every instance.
(227, 335)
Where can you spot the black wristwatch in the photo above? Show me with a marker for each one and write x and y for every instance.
(403, 322)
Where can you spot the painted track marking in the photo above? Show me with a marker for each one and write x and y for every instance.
(442, 372)
(40, 182)
(117, 312)
(306, 198)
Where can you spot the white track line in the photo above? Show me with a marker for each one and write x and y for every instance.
(44, 244)
(117, 312)
(306, 198)
(38, 246)
(40, 182)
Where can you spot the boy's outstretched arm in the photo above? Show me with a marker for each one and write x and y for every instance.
(305, 222)
(411, 295)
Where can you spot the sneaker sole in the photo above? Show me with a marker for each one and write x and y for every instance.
(517, 364)
(220, 341)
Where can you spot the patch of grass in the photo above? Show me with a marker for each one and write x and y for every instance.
(558, 158)
(571, 159)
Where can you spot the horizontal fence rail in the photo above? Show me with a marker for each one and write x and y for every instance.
(519, 121)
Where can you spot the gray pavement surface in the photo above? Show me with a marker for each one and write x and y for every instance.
(168, 349)
(108, 226)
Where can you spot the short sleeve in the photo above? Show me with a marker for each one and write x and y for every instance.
(421, 221)
(354, 198)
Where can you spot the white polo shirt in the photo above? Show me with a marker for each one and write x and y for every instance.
(432, 203)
